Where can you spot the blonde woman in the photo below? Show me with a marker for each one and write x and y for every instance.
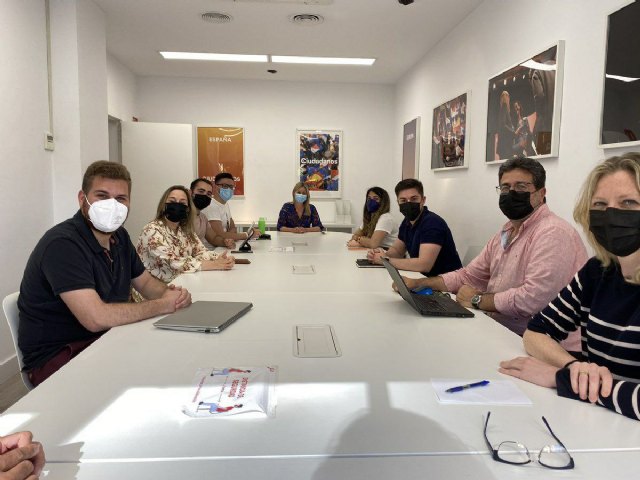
(299, 216)
(169, 246)
(378, 228)
(602, 301)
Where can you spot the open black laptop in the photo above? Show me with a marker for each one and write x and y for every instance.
(428, 305)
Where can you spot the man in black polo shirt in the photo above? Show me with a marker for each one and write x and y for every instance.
(423, 234)
(77, 281)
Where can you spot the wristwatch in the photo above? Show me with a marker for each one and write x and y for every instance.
(475, 301)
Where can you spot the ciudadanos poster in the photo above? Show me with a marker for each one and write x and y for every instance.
(319, 161)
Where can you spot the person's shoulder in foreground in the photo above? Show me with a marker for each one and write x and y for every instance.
(602, 301)
(77, 280)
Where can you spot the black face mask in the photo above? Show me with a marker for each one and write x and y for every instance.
(201, 201)
(515, 205)
(618, 231)
(410, 210)
(176, 212)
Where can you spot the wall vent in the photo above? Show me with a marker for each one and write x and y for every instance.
(306, 19)
(216, 17)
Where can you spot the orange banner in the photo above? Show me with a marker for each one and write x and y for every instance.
(221, 149)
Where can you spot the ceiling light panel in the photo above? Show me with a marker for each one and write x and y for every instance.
(322, 60)
(214, 57)
(296, 2)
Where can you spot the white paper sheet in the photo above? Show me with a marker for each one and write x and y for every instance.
(498, 392)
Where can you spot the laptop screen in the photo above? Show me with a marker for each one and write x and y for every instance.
(250, 231)
(397, 279)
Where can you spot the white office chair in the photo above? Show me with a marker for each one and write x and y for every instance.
(10, 307)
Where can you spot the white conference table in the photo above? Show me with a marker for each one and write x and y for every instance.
(118, 404)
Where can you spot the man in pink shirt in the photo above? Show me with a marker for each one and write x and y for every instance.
(525, 264)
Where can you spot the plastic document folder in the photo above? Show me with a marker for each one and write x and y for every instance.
(303, 269)
(282, 249)
(207, 317)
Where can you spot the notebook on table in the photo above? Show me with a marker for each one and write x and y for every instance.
(207, 317)
(436, 305)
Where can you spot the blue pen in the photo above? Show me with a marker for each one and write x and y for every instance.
(483, 383)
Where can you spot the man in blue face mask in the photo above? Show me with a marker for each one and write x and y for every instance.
(424, 235)
(527, 262)
(219, 213)
(77, 282)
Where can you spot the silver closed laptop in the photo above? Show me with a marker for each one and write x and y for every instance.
(203, 316)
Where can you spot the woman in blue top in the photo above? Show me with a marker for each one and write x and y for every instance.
(299, 216)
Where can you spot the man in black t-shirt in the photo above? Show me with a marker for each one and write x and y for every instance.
(77, 281)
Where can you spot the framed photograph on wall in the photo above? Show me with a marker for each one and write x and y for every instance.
(523, 113)
(221, 149)
(620, 121)
(411, 148)
(319, 160)
(449, 136)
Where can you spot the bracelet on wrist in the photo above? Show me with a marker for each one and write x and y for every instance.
(568, 364)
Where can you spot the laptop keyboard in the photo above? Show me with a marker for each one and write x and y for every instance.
(428, 302)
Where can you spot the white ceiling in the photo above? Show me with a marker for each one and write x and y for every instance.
(396, 35)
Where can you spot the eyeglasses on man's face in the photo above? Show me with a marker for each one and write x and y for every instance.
(230, 186)
(504, 188)
(515, 453)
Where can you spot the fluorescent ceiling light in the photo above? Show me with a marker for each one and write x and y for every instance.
(532, 64)
(322, 60)
(621, 78)
(216, 57)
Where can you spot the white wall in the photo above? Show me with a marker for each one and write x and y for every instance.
(497, 35)
(25, 173)
(92, 75)
(270, 112)
(40, 187)
(79, 76)
(121, 90)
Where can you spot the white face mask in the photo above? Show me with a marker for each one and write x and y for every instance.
(107, 215)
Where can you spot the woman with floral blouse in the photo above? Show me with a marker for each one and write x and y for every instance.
(169, 246)
(299, 216)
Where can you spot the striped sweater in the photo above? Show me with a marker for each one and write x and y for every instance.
(606, 309)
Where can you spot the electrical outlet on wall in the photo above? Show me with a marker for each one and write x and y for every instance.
(48, 141)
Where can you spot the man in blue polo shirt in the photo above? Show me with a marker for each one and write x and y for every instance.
(423, 234)
(77, 281)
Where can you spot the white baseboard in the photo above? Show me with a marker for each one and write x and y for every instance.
(8, 368)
